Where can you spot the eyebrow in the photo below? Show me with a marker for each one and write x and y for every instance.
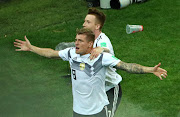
(87, 20)
(78, 39)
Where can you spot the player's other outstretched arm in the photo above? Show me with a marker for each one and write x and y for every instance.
(139, 69)
(26, 46)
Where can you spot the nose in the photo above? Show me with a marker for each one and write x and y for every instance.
(84, 24)
(76, 42)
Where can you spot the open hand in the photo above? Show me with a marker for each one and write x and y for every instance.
(23, 45)
(159, 72)
(95, 52)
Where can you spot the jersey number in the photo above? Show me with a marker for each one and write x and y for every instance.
(74, 74)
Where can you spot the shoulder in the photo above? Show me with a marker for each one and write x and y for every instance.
(109, 60)
(103, 36)
(108, 56)
(68, 51)
(105, 54)
(72, 51)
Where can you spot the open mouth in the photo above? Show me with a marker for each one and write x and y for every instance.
(77, 48)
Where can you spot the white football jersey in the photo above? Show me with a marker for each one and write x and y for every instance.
(103, 41)
(112, 78)
(88, 80)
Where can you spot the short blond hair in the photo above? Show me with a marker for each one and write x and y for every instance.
(100, 16)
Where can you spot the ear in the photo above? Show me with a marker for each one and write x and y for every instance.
(98, 26)
(91, 44)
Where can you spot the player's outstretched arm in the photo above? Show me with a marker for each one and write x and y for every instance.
(26, 46)
(139, 69)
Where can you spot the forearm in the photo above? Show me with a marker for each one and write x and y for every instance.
(134, 68)
(46, 52)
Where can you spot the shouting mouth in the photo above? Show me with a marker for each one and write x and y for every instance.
(77, 48)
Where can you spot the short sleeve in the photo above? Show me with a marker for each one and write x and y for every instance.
(64, 54)
(103, 43)
(109, 60)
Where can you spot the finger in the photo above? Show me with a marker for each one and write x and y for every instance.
(163, 75)
(160, 77)
(91, 57)
(27, 41)
(17, 46)
(159, 65)
(18, 50)
(17, 40)
(163, 70)
(17, 43)
(25, 38)
(96, 55)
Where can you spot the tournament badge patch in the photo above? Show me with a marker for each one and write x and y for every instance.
(82, 66)
(103, 44)
(115, 58)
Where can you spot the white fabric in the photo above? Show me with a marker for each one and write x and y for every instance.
(89, 95)
(102, 38)
(112, 78)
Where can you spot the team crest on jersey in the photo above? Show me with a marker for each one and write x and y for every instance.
(82, 66)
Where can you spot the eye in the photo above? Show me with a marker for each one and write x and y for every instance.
(87, 21)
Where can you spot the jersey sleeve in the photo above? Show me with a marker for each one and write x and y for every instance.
(63, 54)
(109, 60)
(103, 43)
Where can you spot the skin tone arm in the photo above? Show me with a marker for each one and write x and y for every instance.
(133, 67)
(139, 69)
(96, 51)
(26, 46)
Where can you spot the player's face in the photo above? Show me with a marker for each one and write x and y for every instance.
(82, 45)
(90, 22)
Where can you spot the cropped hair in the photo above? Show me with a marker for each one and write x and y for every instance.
(100, 16)
(89, 34)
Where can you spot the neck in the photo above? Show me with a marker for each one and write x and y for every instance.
(87, 52)
(97, 33)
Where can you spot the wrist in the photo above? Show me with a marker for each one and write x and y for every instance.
(149, 70)
(32, 48)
